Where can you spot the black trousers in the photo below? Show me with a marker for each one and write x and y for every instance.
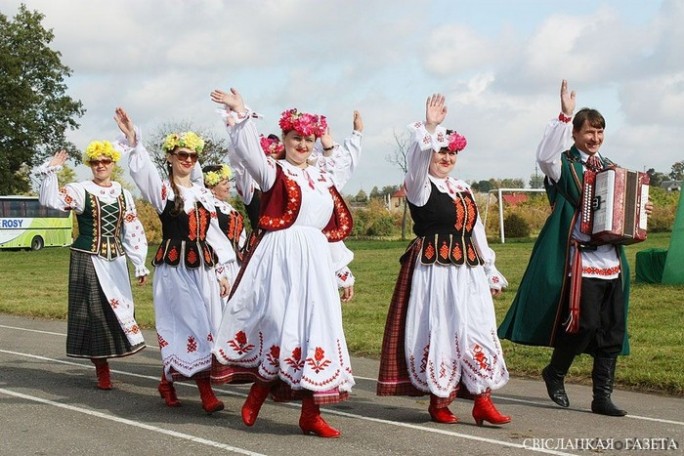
(602, 320)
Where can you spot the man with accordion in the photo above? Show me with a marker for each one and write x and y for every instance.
(574, 294)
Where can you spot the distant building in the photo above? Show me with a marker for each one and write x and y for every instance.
(513, 199)
(395, 201)
(672, 185)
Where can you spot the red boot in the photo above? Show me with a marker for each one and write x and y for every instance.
(104, 381)
(311, 421)
(168, 392)
(255, 399)
(484, 410)
(209, 402)
(440, 413)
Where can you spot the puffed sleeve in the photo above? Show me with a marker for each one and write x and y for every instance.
(134, 240)
(247, 148)
(557, 139)
(143, 172)
(71, 197)
(418, 157)
(341, 257)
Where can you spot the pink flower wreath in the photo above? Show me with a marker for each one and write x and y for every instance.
(303, 123)
(271, 146)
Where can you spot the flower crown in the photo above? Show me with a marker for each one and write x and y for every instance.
(271, 146)
(303, 123)
(212, 178)
(452, 141)
(98, 149)
(187, 139)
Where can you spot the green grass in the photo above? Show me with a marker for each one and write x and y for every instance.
(34, 284)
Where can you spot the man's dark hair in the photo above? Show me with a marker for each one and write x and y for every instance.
(592, 116)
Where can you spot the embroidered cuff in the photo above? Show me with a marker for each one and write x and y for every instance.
(495, 279)
(141, 270)
(345, 278)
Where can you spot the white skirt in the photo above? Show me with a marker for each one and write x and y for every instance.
(285, 318)
(451, 331)
(187, 307)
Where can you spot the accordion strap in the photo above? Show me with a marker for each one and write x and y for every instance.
(573, 320)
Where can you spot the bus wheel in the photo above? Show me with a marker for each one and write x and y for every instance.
(37, 243)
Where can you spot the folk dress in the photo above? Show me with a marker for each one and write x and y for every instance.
(283, 322)
(441, 326)
(101, 321)
(232, 225)
(188, 265)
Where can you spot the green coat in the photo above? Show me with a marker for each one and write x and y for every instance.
(534, 315)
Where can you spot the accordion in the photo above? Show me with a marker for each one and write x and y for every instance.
(612, 207)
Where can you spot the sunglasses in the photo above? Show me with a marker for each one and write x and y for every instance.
(104, 161)
(183, 156)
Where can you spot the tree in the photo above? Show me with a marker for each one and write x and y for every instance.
(399, 159)
(375, 193)
(214, 152)
(361, 197)
(655, 177)
(484, 186)
(536, 179)
(34, 110)
(677, 172)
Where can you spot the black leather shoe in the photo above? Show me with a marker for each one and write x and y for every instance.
(555, 387)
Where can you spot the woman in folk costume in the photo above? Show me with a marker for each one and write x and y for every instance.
(101, 321)
(190, 275)
(217, 180)
(441, 326)
(282, 328)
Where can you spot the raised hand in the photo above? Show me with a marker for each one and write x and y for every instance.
(327, 142)
(232, 99)
(567, 99)
(358, 122)
(59, 158)
(435, 111)
(125, 125)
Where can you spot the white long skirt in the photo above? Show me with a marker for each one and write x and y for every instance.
(285, 318)
(451, 331)
(187, 307)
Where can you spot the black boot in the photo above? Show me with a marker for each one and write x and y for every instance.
(554, 375)
(603, 376)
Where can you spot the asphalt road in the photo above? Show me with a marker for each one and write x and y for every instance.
(49, 406)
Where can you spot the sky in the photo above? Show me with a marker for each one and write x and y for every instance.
(498, 62)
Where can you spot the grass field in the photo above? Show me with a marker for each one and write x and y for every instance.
(34, 284)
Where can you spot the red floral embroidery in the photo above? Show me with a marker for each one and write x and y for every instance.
(480, 357)
(192, 257)
(130, 217)
(457, 252)
(239, 343)
(444, 250)
(472, 256)
(192, 344)
(173, 254)
(472, 212)
(161, 342)
(294, 197)
(135, 329)
(114, 303)
(210, 337)
(344, 276)
(295, 360)
(273, 356)
(424, 359)
(429, 251)
(192, 225)
(164, 192)
(318, 362)
(601, 271)
(460, 214)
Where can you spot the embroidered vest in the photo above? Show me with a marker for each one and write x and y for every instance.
(445, 226)
(280, 206)
(184, 237)
(232, 225)
(99, 227)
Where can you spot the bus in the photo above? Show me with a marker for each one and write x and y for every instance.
(25, 224)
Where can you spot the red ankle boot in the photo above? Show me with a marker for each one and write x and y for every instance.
(209, 402)
(168, 392)
(104, 381)
(311, 421)
(484, 410)
(440, 414)
(255, 399)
